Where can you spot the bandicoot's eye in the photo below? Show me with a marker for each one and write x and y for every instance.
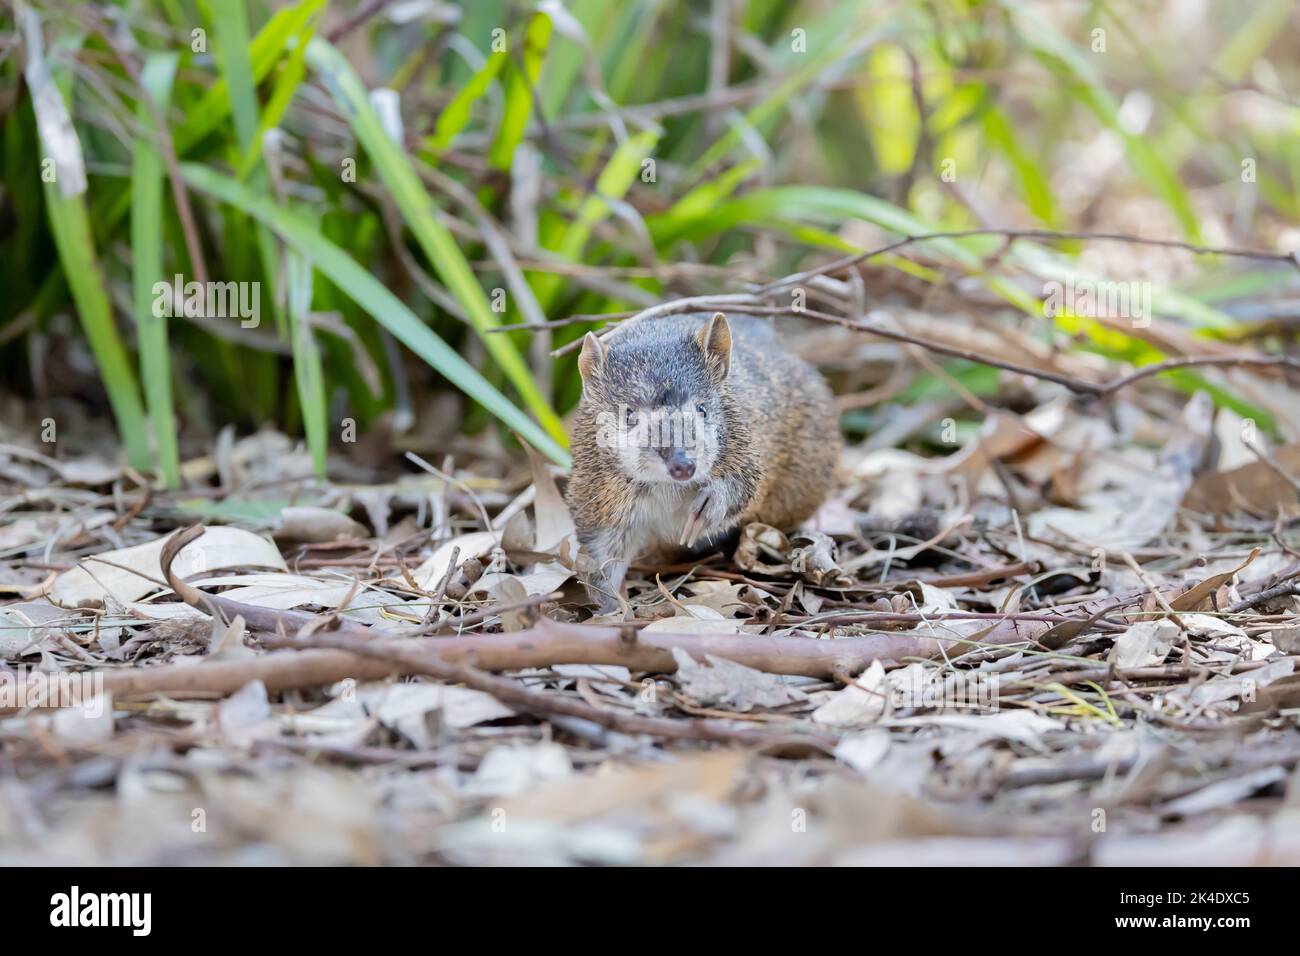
(704, 412)
(629, 416)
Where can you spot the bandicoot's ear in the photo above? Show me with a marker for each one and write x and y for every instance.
(715, 340)
(592, 358)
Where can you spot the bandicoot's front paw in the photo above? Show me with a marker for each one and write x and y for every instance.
(600, 594)
(708, 510)
(605, 583)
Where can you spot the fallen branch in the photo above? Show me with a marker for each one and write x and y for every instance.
(1077, 385)
(438, 658)
(362, 653)
(1095, 390)
(350, 650)
(698, 303)
(432, 662)
(327, 659)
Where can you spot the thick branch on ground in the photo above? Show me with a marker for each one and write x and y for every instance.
(432, 662)
(350, 650)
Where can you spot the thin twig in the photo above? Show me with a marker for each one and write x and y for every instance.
(1101, 391)
(1047, 234)
(356, 20)
(1263, 597)
(1269, 361)
(675, 307)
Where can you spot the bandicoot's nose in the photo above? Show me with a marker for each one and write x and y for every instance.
(680, 467)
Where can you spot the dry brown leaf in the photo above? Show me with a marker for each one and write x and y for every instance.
(731, 686)
(1194, 597)
(316, 525)
(1255, 486)
(133, 571)
(553, 522)
(710, 776)
(473, 545)
(1145, 643)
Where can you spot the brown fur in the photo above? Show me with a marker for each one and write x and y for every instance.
(773, 418)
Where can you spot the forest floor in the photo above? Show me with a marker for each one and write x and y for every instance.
(403, 671)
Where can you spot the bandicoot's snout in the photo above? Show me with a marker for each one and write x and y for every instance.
(680, 465)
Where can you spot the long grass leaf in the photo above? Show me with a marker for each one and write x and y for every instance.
(1034, 184)
(1064, 58)
(371, 295)
(230, 25)
(889, 110)
(421, 215)
(230, 21)
(612, 184)
(147, 266)
(70, 226)
(308, 373)
(833, 40)
(286, 85)
(521, 86)
(263, 52)
(456, 114)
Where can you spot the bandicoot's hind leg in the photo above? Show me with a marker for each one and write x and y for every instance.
(724, 540)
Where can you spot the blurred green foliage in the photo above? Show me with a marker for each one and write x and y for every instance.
(549, 148)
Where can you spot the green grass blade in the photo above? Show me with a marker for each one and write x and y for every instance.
(1064, 58)
(286, 85)
(700, 201)
(1034, 184)
(564, 60)
(230, 22)
(834, 37)
(1252, 40)
(822, 205)
(788, 207)
(262, 54)
(889, 110)
(417, 208)
(70, 227)
(456, 114)
(375, 299)
(520, 89)
(147, 262)
(308, 373)
(230, 50)
(613, 183)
